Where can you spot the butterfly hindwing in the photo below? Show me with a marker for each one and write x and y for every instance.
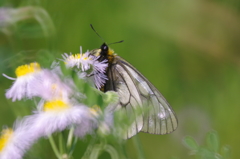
(136, 91)
(129, 100)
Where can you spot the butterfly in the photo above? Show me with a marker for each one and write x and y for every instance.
(134, 91)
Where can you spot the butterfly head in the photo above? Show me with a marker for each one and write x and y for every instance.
(104, 49)
(104, 53)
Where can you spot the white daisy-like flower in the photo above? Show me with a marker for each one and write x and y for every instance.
(33, 81)
(88, 126)
(88, 66)
(25, 75)
(49, 86)
(99, 79)
(80, 60)
(15, 142)
(58, 115)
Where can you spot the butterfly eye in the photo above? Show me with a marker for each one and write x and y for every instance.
(104, 47)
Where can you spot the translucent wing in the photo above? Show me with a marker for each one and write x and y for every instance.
(135, 90)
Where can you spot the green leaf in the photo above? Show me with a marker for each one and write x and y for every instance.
(206, 153)
(190, 143)
(110, 97)
(212, 141)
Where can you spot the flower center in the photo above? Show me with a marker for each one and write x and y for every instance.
(4, 138)
(95, 110)
(77, 56)
(56, 105)
(74, 57)
(26, 69)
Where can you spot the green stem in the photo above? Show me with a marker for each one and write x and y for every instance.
(61, 143)
(122, 150)
(70, 137)
(89, 149)
(54, 147)
(73, 146)
(113, 153)
(138, 146)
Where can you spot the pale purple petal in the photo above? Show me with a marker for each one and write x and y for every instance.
(46, 123)
(21, 140)
(21, 87)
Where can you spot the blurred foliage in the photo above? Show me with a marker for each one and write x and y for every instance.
(210, 151)
(189, 49)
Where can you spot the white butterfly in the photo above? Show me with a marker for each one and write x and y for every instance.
(136, 91)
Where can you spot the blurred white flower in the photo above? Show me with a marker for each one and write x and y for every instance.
(25, 75)
(49, 86)
(15, 142)
(58, 115)
(88, 66)
(88, 126)
(52, 116)
(33, 81)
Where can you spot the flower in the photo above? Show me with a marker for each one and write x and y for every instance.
(51, 116)
(88, 126)
(15, 142)
(33, 81)
(49, 86)
(87, 65)
(80, 61)
(57, 115)
(25, 75)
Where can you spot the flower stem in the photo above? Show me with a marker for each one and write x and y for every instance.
(73, 146)
(54, 147)
(70, 137)
(61, 143)
(89, 149)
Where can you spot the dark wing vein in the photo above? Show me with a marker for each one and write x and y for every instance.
(129, 104)
(168, 116)
(128, 101)
(136, 91)
(139, 92)
(148, 115)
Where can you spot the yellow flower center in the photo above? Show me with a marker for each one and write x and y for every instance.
(77, 56)
(74, 56)
(25, 69)
(56, 105)
(85, 58)
(4, 138)
(57, 90)
(95, 110)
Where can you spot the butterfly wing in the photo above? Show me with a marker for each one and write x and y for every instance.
(136, 91)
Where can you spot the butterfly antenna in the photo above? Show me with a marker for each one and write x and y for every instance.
(117, 42)
(96, 32)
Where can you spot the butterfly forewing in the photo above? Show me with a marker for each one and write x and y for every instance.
(136, 91)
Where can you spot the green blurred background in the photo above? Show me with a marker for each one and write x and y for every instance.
(189, 49)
